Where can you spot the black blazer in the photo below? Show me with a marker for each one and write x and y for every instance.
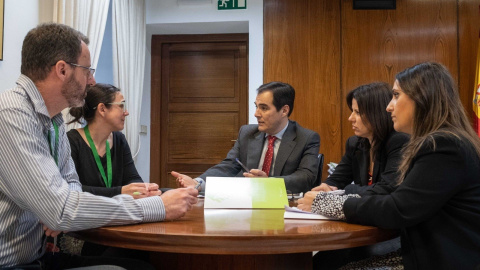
(354, 164)
(437, 207)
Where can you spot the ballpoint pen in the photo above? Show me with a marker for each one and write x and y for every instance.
(243, 166)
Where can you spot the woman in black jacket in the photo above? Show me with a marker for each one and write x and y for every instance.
(437, 202)
(373, 154)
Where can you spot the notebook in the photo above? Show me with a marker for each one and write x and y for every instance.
(245, 193)
(295, 213)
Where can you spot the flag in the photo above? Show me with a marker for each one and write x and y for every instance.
(476, 94)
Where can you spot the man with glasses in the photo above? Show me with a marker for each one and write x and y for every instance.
(90, 70)
(39, 188)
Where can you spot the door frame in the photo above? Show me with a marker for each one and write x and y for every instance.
(156, 90)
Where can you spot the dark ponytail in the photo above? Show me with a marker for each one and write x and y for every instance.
(96, 94)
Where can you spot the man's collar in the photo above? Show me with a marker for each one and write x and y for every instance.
(279, 135)
(37, 99)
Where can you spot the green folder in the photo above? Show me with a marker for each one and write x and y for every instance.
(245, 193)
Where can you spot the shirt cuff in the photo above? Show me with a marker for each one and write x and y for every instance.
(153, 209)
(202, 183)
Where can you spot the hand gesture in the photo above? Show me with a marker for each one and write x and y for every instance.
(183, 180)
(324, 187)
(153, 189)
(305, 203)
(178, 201)
(141, 190)
(255, 173)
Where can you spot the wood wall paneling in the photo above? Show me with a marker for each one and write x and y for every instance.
(377, 44)
(302, 48)
(325, 49)
(468, 33)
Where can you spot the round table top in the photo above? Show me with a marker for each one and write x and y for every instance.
(237, 231)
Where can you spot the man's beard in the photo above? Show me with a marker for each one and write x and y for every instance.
(73, 92)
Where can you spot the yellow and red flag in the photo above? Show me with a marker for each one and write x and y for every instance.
(476, 94)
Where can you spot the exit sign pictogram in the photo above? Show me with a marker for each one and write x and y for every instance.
(232, 4)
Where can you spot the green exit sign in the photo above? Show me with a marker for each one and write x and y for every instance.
(232, 4)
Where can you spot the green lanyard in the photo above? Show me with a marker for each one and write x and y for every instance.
(108, 181)
(54, 148)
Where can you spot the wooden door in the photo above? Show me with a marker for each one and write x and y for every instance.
(199, 101)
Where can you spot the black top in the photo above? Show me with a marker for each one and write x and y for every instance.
(123, 168)
(437, 207)
(355, 163)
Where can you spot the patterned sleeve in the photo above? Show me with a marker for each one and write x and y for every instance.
(331, 205)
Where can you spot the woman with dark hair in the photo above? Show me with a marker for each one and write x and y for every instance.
(103, 159)
(100, 151)
(436, 205)
(373, 154)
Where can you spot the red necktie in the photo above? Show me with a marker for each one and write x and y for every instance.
(267, 162)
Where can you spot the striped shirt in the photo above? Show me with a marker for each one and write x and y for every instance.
(35, 191)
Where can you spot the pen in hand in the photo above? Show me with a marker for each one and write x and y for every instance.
(243, 166)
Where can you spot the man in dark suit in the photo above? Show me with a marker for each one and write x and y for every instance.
(276, 146)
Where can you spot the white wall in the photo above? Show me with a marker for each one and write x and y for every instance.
(20, 16)
(163, 17)
(169, 17)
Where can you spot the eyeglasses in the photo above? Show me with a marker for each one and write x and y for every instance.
(90, 70)
(122, 105)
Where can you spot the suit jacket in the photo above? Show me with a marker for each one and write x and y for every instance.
(296, 160)
(437, 207)
(354, 164)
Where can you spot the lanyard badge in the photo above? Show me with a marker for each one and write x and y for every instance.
(107, 179)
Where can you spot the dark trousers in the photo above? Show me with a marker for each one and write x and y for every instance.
(51, 261)
(91, 249)
(334, 259)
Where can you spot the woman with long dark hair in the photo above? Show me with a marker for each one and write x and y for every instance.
(373, 154)
(436, 205)
(369, 165)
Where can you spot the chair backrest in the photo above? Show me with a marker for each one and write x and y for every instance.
(318, 181)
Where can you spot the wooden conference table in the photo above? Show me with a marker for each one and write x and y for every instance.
(236, 239)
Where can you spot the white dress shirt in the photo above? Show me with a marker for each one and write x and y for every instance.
(276, 145)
